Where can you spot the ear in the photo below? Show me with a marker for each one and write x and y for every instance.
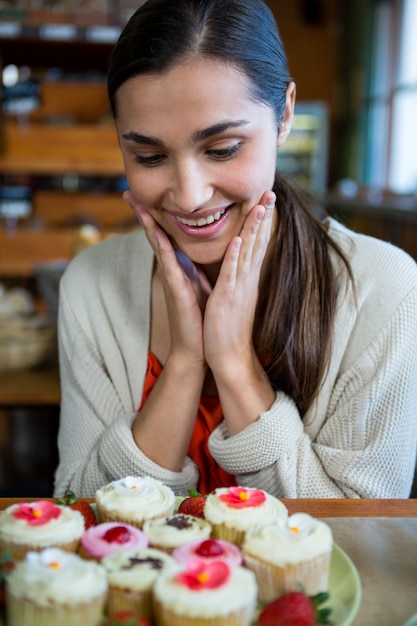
(286, 123)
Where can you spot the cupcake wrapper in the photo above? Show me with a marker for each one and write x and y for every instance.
(221, 531)
(273, 581)
(166, 617)
(106, 516)
(119, 599)
(25, 613)
(18, 551)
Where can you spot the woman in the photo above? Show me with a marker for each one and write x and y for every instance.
(235, 338)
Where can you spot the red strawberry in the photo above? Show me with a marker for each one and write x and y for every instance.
(83, 507)
(209, 547)
(193, 505)
(126, 618)
(117, 534)
(295, 608)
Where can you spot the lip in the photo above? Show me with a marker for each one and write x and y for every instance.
(204, 232)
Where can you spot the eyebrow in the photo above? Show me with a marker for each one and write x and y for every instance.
(199, 135)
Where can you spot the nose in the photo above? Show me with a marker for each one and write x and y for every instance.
(189, 187)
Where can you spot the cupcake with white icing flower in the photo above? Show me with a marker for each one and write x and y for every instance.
(55, 587)
(233, 510)
(285, 555)
(133, 500)
(38, 525)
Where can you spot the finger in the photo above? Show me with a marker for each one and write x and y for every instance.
(256, 233)
(155, 235)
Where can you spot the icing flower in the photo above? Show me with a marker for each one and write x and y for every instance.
(239, 497)
(51, 559)
(199, 575)
(37, 513)
(132, 485)
(300, 524)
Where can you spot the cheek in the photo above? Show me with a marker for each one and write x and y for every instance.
(254, 176)
(143, 185)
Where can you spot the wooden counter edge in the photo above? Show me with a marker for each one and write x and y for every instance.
(317, 507)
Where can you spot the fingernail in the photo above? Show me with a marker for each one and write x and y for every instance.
(270, 203)
(260, 213)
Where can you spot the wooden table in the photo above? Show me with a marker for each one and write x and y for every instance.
(318, 507)
(380, 537)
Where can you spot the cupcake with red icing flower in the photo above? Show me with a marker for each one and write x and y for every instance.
(208, 550)
(108, 537)
(205, 594)
(233, 510)
(34, 526)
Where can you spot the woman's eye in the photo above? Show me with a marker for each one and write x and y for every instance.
(149, 161)
(224, 153)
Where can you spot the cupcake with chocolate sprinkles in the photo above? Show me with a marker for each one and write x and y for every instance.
(170, 532)
(131, 575)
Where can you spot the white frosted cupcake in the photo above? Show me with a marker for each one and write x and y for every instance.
(206, 594)
(133, 500)
(208, 550)
(168, 533)
(34, 526)
(233, 510)
(131, 575)
(108, 537)
(285, 555)
(55, 587)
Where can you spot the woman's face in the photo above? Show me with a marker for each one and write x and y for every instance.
(198, 151)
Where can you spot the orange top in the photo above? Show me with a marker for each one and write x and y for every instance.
(209, 416)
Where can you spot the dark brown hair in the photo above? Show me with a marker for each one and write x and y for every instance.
(296, 307)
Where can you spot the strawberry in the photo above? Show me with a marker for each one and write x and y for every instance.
(209, 548)
(117, 534)
(296, 608)
(193, 505)
(126, 618)
(83, 507)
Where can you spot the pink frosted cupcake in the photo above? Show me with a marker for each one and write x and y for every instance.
(208, 550)
(103, 539)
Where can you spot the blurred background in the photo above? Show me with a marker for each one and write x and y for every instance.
(353, 146)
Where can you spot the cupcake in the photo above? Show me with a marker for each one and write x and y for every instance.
(285, 555)
(55, 587)
(231, 511)
(208, 550)
(205, 594)
(131, 575)
(133, 500)
(167, 533)
(108, 537)
(38, 525)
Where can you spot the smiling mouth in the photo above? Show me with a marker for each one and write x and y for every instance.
(202, 221)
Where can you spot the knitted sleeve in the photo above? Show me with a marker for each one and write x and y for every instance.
(366, 446)
(95, 438)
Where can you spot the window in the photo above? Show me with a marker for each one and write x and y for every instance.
(392, 101)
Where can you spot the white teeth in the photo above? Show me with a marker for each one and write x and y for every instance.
(202, 221)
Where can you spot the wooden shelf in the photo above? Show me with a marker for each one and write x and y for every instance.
(40, 149)
(22, 249)
(37, 387)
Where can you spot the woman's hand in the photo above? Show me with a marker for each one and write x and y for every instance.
(230, 309)
(185, 289)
